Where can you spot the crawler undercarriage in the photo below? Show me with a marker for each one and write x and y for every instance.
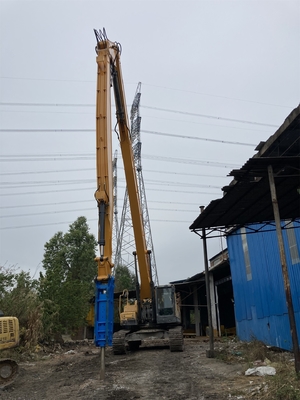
(8, 371)
(124, 340)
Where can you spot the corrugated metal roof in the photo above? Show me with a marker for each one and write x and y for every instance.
(247, 199)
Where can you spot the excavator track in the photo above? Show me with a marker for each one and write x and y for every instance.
(119, 343)
(8, 371)
(176, 339)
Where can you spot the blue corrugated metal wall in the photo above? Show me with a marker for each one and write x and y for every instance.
(260, 303)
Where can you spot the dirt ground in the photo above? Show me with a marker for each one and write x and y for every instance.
(72, 372)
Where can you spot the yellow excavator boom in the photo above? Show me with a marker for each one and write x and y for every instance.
(109, 72)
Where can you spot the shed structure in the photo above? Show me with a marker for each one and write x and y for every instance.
(194, 299)
(263, 198)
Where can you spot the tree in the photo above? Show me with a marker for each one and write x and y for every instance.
(7, 276)
(19, 298)
(124, 279)
(68, 282)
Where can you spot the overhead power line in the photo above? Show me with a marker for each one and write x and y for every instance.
(93, 169)
(88, 201)
(47, 213)
(189, 161)
(45, 183)
(89, 156)
(46, 104)
(150, 85)
(58, 157)
(210, 116)
(46, 130)
(148, 107)
(48, 80)
(181, 184)
(88, 220)
(198, 138)
(48, 204)
(83, 210)
(144, 131)
(216, 95)
(91, 189)
(144, 116)
(38, 225)
(16, 185)
(184, 173)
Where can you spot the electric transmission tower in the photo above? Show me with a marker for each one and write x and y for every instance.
(126, 243)
(115, 228)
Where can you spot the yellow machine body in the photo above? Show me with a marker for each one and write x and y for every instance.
(129, 313)
(9, 338)
(90, 318)
(9, 332)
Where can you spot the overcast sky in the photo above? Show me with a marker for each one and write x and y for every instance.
(225, 73)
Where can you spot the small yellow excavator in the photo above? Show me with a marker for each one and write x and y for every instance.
(9, 338)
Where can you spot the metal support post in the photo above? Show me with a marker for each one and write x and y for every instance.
(213, 304)
(286, 280)
(196, 310)
(210, 352)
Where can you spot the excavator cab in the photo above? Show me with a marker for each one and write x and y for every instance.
(167, 305)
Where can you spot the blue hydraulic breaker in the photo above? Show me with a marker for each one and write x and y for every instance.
(104, 312)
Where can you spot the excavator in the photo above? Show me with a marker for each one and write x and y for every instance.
(9, 338)
(152, 312)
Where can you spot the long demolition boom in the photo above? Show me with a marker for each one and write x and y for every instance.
(110, 73)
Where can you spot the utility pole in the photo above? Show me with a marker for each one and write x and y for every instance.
(286, 280)
(209, 353)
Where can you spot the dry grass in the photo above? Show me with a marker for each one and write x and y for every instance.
(34, 327)
(285, 385)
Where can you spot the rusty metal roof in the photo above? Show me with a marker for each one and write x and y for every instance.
(247, 199)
